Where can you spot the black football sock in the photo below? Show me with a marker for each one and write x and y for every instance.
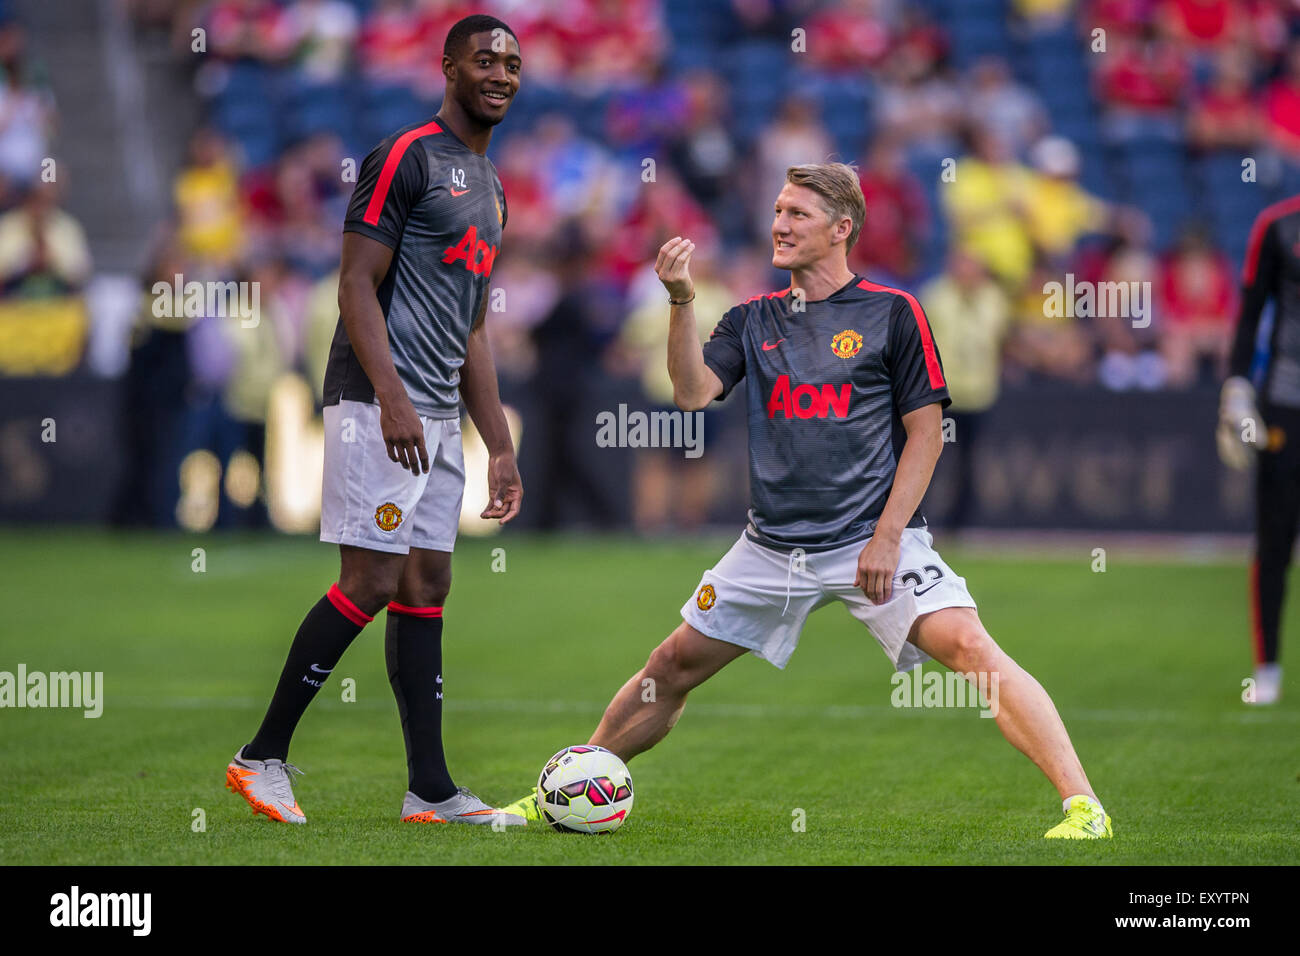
(323, 636)
(1269, 586)
(413, 649)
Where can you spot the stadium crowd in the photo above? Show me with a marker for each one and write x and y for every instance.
(988, 170)
(45, 258)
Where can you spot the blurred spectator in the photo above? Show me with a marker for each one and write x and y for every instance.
(1058, 210)
(643, 118)
(609, 43)
(234, 362)
(555, 451)
(1047, 343)
(1270, 30)
(1118, 16)
(986, 204)
(1130, 355)
(26, 117)
(1141, 80)
(394, 46)
(762, 18)
(1042, 16)
(898, 216)
(322, 319)
(920, 41)
(849, 35)
(531, 290)
(997, 103)
(296, 207)
(703, 150)
(210, 225)
(1227, 115)
(1197, 298)
(1282, 107)
(919, 103)
(247, 30)
(43, 250)
(153, 401)
(670, 491)
(794, 136)
(1204, 24)
(970, 316)
(575, 174)
(663, 209)
(319, 35)
(532, 215)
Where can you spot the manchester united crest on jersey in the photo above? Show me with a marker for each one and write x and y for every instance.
(388, 517)
(706, 598)
(846, 344)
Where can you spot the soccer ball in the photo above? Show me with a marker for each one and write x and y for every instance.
(585, 789)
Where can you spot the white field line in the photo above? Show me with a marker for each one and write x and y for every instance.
(1262, 715)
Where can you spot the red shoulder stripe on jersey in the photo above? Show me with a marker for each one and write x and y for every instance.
(394, 159)
(766, 295)
(345, 606)
(395, 608)
(922, 324)
(1266, 218)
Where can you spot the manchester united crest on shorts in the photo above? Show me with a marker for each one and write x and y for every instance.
(706, 598)
(388, 517)
(846, 344)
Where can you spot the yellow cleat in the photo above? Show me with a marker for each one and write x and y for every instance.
(525, 806)
(1084, 820)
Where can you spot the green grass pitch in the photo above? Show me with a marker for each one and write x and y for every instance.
(1144, 661)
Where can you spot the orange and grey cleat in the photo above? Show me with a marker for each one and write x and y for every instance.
(265, 785)
(464, 807)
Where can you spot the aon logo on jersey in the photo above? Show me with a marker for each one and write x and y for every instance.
(477, 255)
(808, 401)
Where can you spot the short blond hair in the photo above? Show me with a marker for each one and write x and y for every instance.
(841, 192)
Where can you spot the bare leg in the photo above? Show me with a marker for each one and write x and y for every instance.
(956, 638)
(369, 578)
(648, 705)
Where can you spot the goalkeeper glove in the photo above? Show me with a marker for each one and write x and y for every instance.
(1240, 428)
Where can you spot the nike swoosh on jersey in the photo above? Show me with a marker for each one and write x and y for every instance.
(768, 348)
(459, 192)
(321, 670)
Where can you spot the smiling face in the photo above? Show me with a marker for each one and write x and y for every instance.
(483, 80)
(802, 230)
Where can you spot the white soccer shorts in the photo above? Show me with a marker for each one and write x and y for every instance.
(759, 599)
(372, 502)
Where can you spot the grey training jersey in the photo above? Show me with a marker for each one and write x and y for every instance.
(440, 207)
(1272, 271)
(826, 389)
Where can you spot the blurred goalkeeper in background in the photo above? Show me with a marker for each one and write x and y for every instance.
(1268, 424)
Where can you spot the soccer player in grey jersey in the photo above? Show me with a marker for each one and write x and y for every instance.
(844, 387)
(1268, 424)
(421, 236)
